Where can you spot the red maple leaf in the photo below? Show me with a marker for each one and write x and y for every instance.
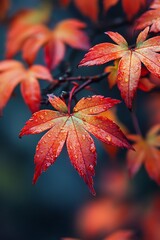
(146, 152)
(89, 9)
(13, 72)
(73, 129)
(129, 66)
(33, 37)
(131, 8)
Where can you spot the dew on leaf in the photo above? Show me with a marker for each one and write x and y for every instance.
(84, 137)
(47, 164)
(92, 148)
(91, 168)
(108, 138)
(41, 117)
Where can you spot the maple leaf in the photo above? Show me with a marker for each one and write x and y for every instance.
(89, 9)
(129, 67)
(23, 24)
(73, 129)
(130, 8)
(146, 152)
(36, 36)
(150, 18)
(14, 72)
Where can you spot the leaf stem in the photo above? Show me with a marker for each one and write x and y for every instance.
(71, 96)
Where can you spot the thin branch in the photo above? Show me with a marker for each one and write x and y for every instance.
(83, 78)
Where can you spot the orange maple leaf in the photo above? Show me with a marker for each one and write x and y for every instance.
(14, 72)
(146, 152)
(33, 37)
(129, 66)
(73, 129)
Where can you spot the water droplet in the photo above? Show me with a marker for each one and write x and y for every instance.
(41, 117)
(45, 113)
(91, 167)
(92, 148)
(76, 156)
(47, 164)
(84, 137)
(126, 80)
(91, 110)
(108, 138)
(49, 135)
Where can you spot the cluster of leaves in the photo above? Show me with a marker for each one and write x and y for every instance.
(92, 10)
(134, 67)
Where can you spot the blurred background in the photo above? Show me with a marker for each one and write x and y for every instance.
(60, 204)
